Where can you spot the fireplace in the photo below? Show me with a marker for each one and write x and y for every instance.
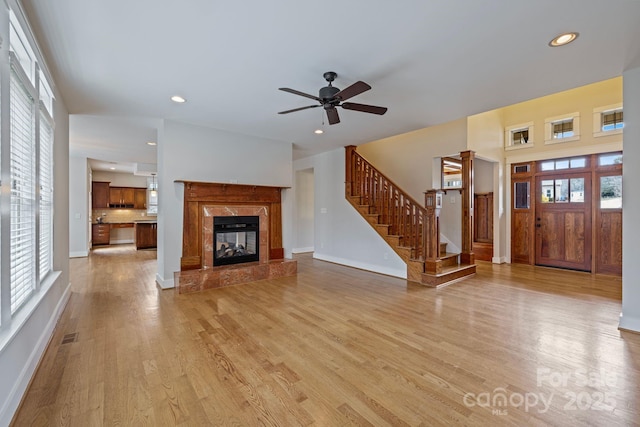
(199, 268)
(236, 239)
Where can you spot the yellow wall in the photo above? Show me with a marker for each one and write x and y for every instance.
(583, 100)
(407, 159)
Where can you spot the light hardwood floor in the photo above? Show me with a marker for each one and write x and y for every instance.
(336, 346)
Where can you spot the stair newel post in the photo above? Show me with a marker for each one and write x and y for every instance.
(467, 256)
(433, 204)
(350, 161)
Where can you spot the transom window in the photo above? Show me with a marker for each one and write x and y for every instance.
(612, 120)
(610, 159)
(519, 136)
(560, 164)
(608, 120)
(563, 129)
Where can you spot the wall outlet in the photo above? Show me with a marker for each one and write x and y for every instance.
(78, 215)
(453, 199)
(323, 210)
(141, 213)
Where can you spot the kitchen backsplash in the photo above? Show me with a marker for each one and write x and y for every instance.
(120, 215)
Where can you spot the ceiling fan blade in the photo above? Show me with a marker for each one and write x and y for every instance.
(364, 108)
(298, 109)
(332, 115)
(355, 89)
(297, 92)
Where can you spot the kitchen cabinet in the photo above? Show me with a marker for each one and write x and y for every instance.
(100, 234)
(99, 195)
(140, 198)
(146, 235)
(121, 197)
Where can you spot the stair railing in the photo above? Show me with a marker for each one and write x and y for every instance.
(405, 216)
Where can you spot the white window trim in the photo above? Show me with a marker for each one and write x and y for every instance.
(508, 136)
(548, 128)
(597, 120)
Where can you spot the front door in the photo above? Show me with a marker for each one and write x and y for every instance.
(563, 221)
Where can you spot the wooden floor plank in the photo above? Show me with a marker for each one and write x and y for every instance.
(335, 346)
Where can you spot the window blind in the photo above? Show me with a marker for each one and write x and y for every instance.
(563, 129)
(23, 218)
(46, 193)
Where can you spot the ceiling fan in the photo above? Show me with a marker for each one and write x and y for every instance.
(331, 97)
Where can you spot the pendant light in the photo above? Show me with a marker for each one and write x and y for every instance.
(154, 189)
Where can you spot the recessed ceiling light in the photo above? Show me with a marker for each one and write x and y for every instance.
(563, 39)
(178, 99)
(318, 131)
(152, 143)
(112, 168)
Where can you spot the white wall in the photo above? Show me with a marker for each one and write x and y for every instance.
(630, 316)
(120, 179)
(341, 234)
(79, 205)
(197, 153)
(304, 211)
(24, 341)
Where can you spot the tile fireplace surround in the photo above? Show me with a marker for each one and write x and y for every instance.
(214, 200)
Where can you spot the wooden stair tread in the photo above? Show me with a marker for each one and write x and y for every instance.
(448, 255)
(448, 275)
(453, 269)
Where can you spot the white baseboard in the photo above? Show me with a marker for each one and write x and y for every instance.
(120, 241)
(302, 250)
(7, 411)
(629, 323)
(79, 254)
(165, 284)
(499, 260)
(402, 274)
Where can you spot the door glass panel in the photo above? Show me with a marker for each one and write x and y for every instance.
(547, 191)
(562, 190)
(611, 192)
(521, 191)
(577, 190)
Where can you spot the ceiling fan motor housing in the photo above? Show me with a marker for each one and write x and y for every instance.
(328, 92)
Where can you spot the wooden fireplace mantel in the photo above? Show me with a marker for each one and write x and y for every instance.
(200, 194)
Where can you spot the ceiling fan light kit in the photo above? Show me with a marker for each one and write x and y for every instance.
(330, 97)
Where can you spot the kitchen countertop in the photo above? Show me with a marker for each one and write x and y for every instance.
(146, 221)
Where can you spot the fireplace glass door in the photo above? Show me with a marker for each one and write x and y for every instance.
(236, 239)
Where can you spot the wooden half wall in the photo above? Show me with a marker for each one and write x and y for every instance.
(199, 194)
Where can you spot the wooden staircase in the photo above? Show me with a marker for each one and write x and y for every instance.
(410, 229)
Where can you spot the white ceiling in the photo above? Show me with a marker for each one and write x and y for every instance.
(118, 62)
